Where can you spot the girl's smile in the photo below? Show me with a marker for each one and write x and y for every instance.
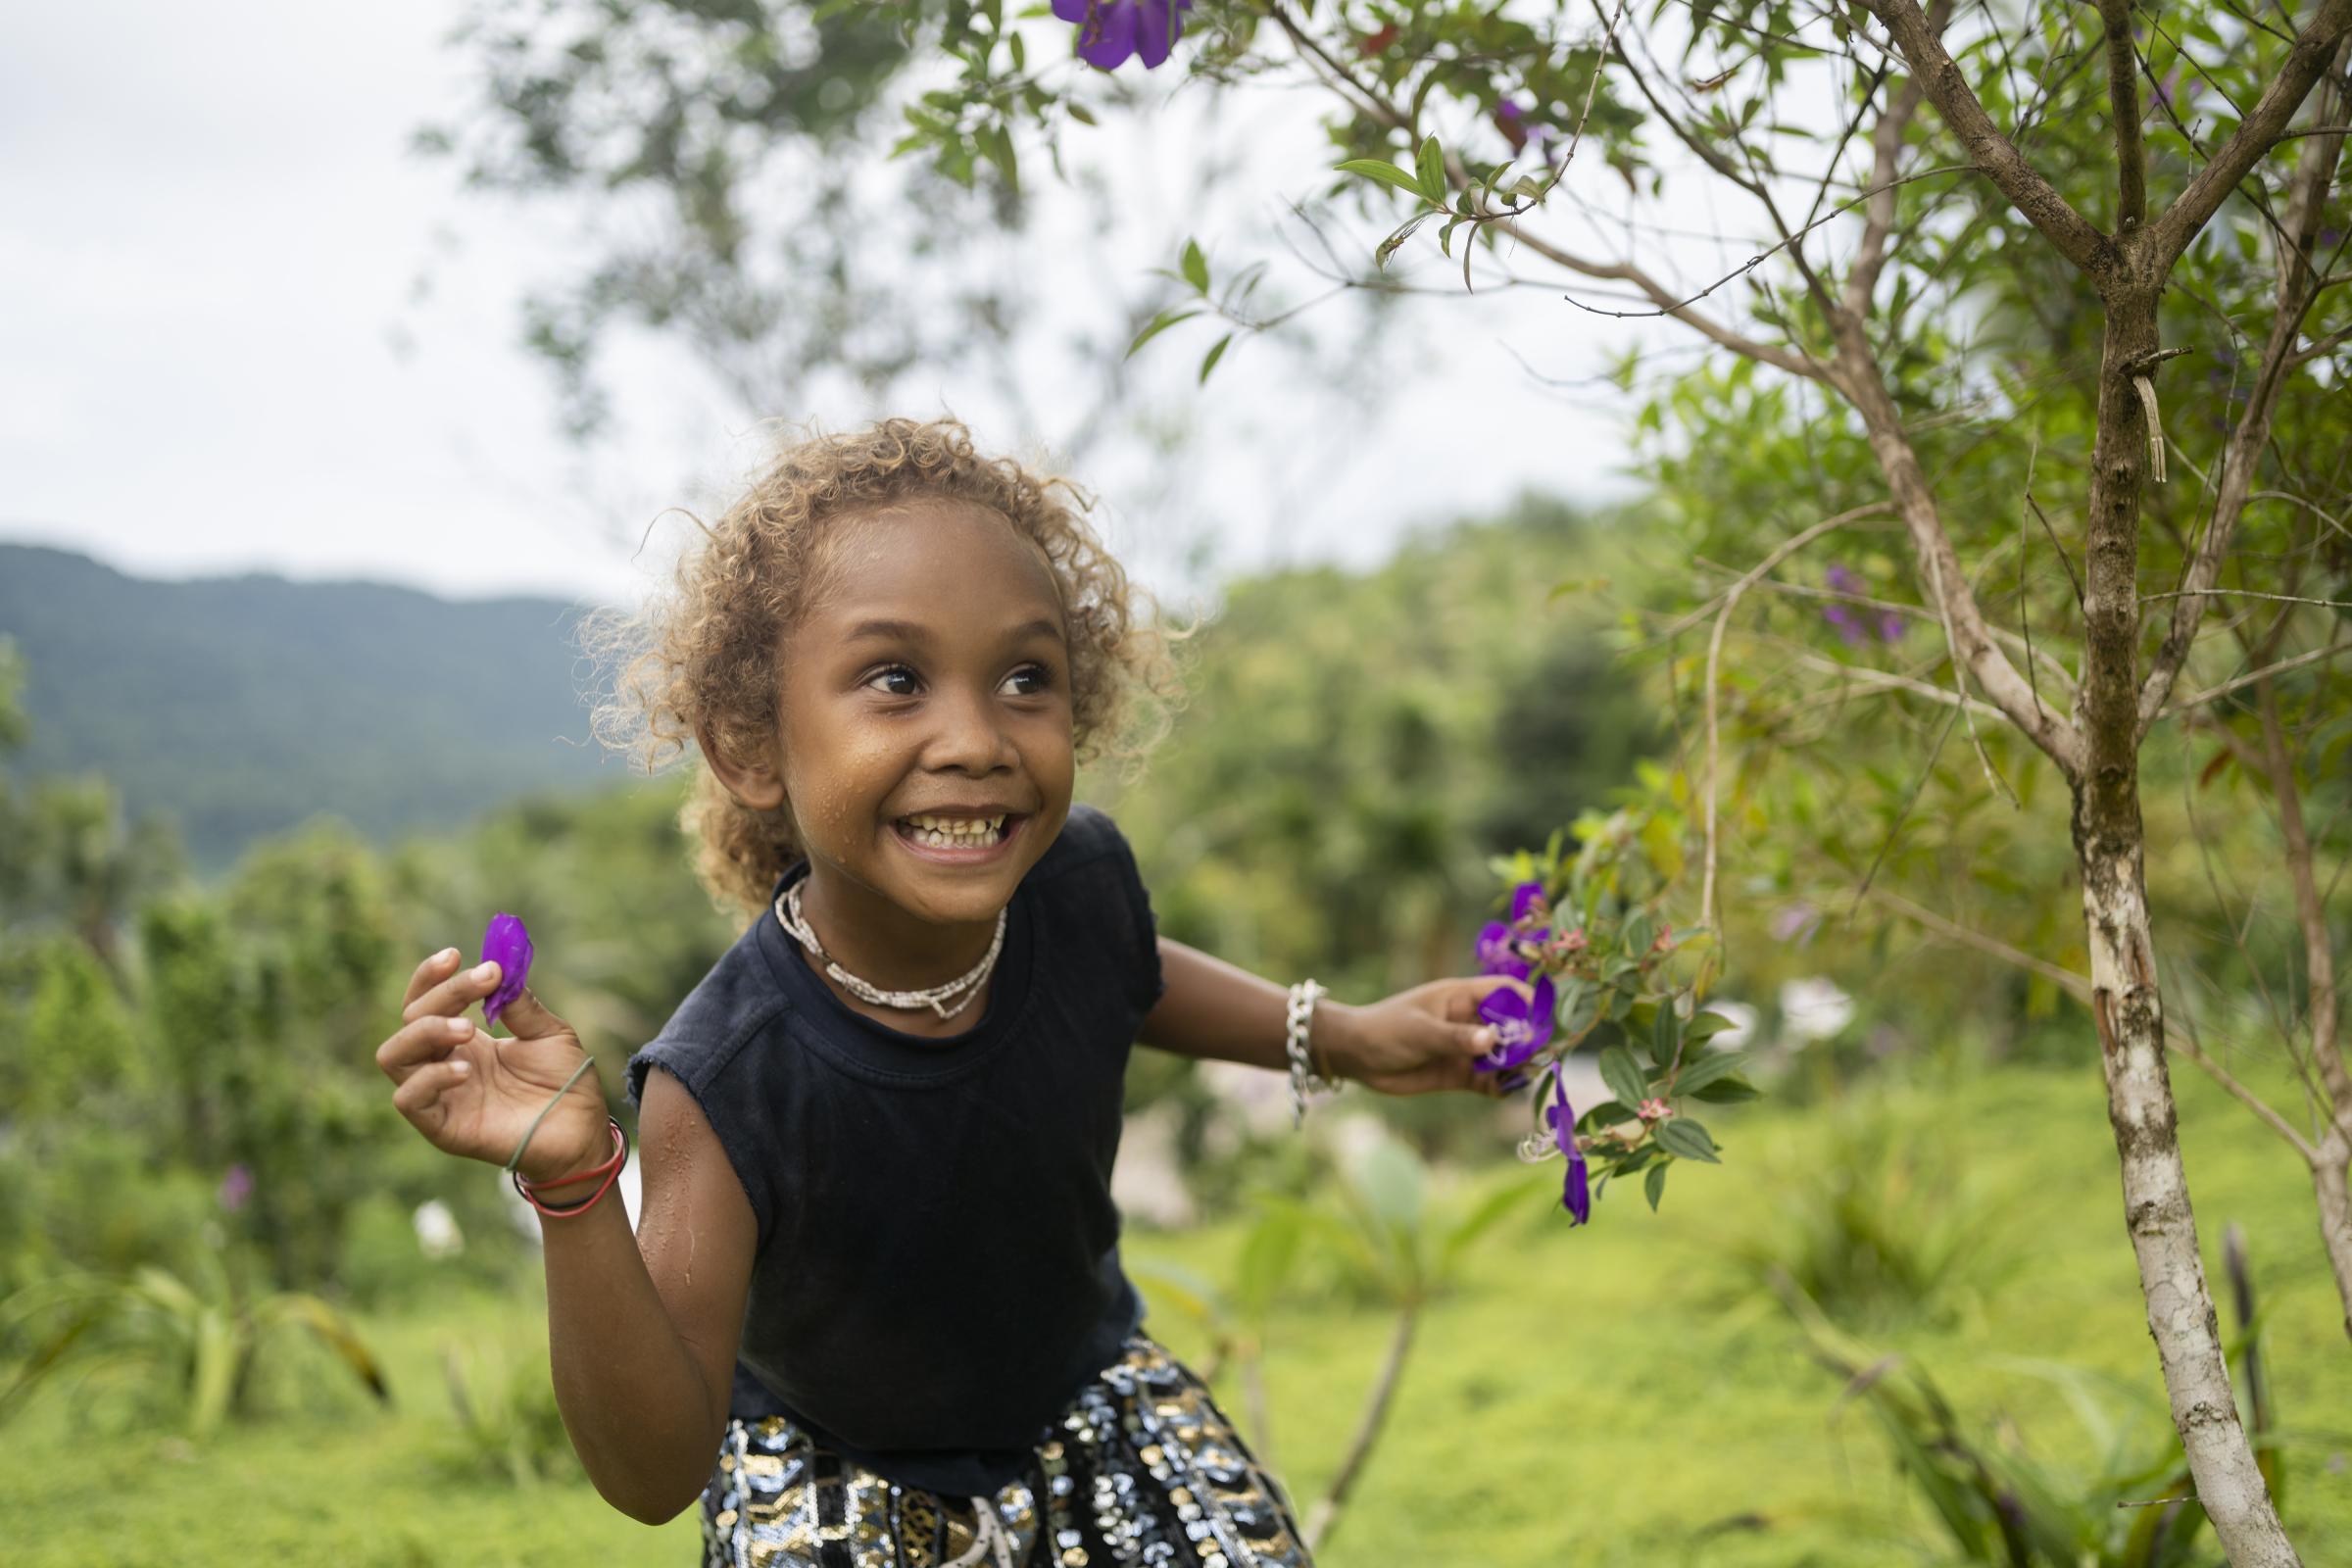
(960, 835)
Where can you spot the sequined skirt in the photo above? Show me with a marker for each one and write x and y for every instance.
(1141, 1468)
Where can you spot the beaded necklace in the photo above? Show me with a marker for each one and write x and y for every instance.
(961, 989)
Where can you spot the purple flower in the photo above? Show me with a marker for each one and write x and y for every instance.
(1109, 30)
(1498, 952)
(236, 1188)
(2171, 93)
(1522, 1025)
(1890, 626)
(1841, 616)
(1576, 1192)
(509, 945)
(1499, 941)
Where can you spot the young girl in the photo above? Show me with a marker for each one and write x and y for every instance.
(874, 1311)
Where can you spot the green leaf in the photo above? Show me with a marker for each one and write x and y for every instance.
(1707, 1069)
(1624, 1078)
(1381, 169)
(1196, 266)
(1707, 1026)
(1653, 1185)
(1080, 114)
(1402, 233)
(1665, 1034)
(1608, 1113)
(1729, 1092)
(1209, 362)
(1157, 324)
(1432, 169)
(1266, 1256)
(1687, 1139)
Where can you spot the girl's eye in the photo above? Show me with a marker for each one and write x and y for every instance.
(1030, 679)
(897, 681)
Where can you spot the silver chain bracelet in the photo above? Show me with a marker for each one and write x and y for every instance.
(1304, 1080)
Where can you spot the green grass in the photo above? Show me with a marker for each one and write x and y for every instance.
(1615, 1394)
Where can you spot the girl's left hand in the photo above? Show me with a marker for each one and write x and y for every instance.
(1417, 1040)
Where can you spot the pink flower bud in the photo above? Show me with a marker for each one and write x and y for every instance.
(1654, 1111)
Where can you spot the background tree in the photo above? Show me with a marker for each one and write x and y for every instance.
(1963, 287)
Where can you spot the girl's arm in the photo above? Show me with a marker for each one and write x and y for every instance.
(642, 1328)
(642, 1331)
(1411, 1042)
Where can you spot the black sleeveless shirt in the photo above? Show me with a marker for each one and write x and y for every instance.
(938, 1269)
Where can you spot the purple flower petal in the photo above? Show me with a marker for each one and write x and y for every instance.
(1108, 36)
(1156, 27)
(1524, 897)
(509, 945)
(1576, 1192)
(1522, 1025)
(1495, 954)
(1070, 10)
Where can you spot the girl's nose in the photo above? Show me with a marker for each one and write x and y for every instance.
(968, 740)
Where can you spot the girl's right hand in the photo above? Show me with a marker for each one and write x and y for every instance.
(473, 1094)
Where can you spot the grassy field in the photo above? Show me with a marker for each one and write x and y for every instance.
(1611, 1396)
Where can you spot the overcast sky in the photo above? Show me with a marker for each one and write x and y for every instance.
(211, 360)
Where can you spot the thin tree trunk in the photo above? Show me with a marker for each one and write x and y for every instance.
(2126, 1002)
(2330, 1155)
(1368, 1431)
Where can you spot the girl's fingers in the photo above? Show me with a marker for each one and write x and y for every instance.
(426, 975)
(427, 1084)
(1474, 1039)
(427, 1039)
(452, 994)
(1463, 996)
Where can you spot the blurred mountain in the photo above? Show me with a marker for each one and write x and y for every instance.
(240, 705)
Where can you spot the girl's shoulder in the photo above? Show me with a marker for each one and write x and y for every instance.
(1093, 894)
(730, 1008)
(1087, 834)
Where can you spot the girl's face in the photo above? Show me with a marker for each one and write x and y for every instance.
(925, 726)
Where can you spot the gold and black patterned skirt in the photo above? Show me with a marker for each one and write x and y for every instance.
(1141, 1468)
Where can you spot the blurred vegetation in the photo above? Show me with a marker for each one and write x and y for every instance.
(186, 1084)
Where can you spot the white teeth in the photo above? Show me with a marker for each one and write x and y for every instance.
(956, 832)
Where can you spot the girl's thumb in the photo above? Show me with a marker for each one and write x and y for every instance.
(527, 1018)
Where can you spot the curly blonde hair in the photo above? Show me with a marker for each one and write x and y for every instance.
(702, 659)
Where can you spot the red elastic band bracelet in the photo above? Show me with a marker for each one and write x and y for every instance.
(621, 1152)
(608, 1171)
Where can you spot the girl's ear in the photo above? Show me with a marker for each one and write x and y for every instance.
(755, 785)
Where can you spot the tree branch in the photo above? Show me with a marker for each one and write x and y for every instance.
(1972, 642)
(1885, 152)
(2078, 986)
(2264, 673)
(2169, 235)
(2122, 98)
(2315, 171)
(1379, 108)
(1940, 79)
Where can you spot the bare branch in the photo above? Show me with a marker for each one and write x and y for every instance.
(2078, 986)
(2122, 97)
(1885, 152)
(2311, 914)
(1972, 642)
(2240, 682)
(1730, 599)
(1940, 79)
(1379, 108)
(2314, 171)
(2169, 235)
